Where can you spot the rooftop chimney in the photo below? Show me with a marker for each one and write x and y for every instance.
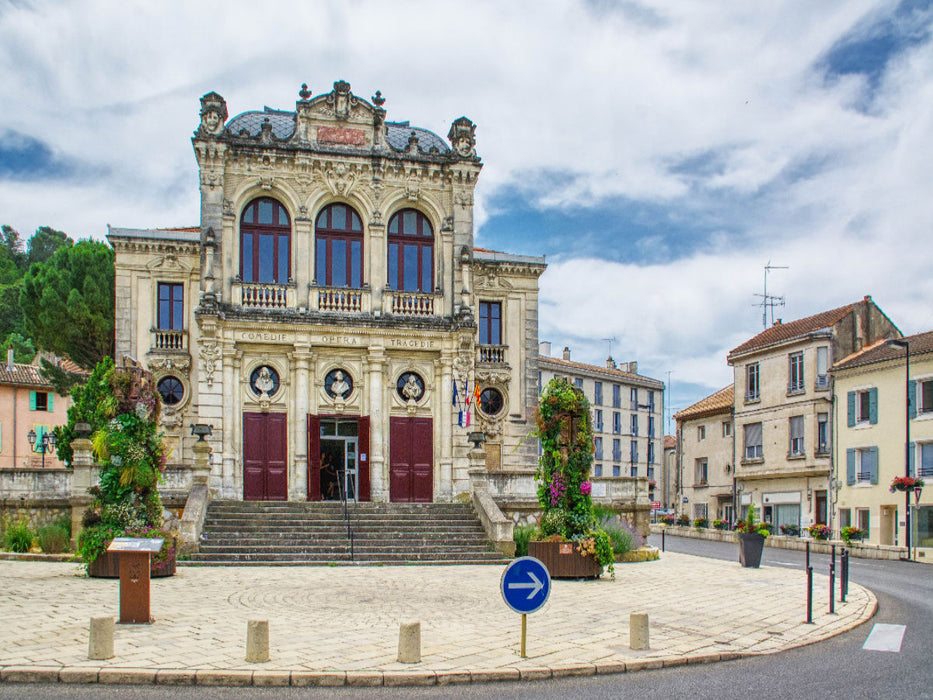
(610, 363)
(778, 322)
(566, 353)
(9, 359)
(544, 348)
(633, 367)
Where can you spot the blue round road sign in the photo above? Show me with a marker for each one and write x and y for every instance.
(526, 585)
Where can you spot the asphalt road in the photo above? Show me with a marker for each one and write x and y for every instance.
(837, 668)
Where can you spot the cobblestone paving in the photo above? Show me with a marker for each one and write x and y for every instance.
(346, 619)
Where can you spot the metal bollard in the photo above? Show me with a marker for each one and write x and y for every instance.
(832, 582)
(808, 554)
(663, 533)
(100, 638)
(257, 641)
(844, 582)
(409, 643)
(810, 595)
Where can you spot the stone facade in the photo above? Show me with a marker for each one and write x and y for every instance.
(293, 334)
(783, 409)
(870, 388)
(707, 458)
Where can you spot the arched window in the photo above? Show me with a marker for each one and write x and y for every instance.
(411, 252)
(339, 247)
(265, 242)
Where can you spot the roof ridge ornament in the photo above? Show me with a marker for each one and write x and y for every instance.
(378, 99)
(342, 100)
(304, 93)
(213, 114)
(462, 138)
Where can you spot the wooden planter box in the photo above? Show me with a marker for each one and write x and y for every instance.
(564, 561)
(107, 565)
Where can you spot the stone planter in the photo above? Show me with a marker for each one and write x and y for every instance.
(751, 545)
(107, 565)
(641, 554)
(564, 561)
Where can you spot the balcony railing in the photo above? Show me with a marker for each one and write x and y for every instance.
(409, 303)
(257, 295)
(340, 300)
(163, 339)
(491, 354)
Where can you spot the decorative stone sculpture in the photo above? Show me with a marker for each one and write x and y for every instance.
(213, 114)
(462, 137)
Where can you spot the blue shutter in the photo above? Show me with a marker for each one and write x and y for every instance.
(850, 466)
(873, 405)
(51, 403)
(912, 398)
(911, 459)
(850, 401)
(32, 401)
(873, 451)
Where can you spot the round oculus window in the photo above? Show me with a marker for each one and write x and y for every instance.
(171, 390)
(490, 401)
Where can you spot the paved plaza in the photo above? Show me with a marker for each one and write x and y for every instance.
(340, 625)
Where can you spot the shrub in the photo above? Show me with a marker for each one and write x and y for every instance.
(684, 520)
(668, 519)
(850, 533)
(751, 523)
(721, 524)
(522, 534)
(18, 537)
(790, 530)
(766, 526)
(820, 531)
(54, 539)
(701, 523)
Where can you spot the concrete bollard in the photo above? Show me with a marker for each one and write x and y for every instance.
(100, 640)
(257, 641)
(638, 631)
(409, 643)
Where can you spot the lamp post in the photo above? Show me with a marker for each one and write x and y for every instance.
(45, 444)
(906, 345)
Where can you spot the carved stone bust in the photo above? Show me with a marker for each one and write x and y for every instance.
(213, 114)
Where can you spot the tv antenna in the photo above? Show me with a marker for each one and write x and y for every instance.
(769, 301)
(611, 341)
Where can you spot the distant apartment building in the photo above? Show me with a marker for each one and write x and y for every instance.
(628, 411)
(706, 467)
(783, 409)
(872, 388)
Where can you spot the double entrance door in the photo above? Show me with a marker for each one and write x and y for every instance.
(411, 460)
(338, 460)
(265, 456)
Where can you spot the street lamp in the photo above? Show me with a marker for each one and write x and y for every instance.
(45, 444)
(906, 345)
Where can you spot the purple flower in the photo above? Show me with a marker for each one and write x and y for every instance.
(585, 488)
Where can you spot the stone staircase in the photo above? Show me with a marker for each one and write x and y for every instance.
(296, 533)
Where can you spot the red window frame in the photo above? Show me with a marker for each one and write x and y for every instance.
(410, 228)
(280, 229)
(328, 229)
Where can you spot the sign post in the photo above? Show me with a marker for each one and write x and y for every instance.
(134, 576)
(526, 586)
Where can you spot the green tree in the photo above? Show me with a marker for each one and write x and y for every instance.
(23, 349)
(11, 246)
(68, 303)
(44, 242)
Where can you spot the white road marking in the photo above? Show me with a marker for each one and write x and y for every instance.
(885, 638)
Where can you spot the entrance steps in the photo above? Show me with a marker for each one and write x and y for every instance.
(268, 533)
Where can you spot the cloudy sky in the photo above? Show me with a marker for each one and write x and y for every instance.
(659, 153)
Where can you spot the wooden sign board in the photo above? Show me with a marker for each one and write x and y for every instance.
(136, 544)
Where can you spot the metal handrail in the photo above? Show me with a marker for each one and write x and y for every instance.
(342, 490)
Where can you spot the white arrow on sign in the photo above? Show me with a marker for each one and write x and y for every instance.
(535, 585)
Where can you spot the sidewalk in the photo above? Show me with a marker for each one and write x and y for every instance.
(340, 625)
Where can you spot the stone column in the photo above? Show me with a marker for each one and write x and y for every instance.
(225, 485)
(378, 476)
(84, 475)
(302, 357)
(443, 372)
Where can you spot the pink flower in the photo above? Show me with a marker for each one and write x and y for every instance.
(585, 488)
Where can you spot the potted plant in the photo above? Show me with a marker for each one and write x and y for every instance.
(129, 449)
(701, 523)
(569, 541)
(850, 533)
(668, 518)
(683, 520)
(751, 536)
(820, 531)
(790, 530)
(721, 524)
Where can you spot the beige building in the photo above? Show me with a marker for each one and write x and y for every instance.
(783, 409)
(628, 411)
(871, 388)
(330, 313)
(668, 485)
(707, 458)
(29, 410)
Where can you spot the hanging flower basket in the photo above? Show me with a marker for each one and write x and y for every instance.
(906, 483)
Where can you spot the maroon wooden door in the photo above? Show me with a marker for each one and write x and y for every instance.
(411, 460)
(265, 453)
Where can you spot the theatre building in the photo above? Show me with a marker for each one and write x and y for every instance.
(330, 317)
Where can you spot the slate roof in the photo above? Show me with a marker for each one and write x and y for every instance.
(718, 402)
(22, 375)
(880, 351)
(794, 329)
(249, 124)
(595, 369)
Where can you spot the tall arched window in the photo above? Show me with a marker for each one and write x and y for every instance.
(411, 252)
(265, 242)
(339, 247)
